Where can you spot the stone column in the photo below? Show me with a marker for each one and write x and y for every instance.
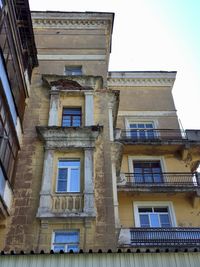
(110, 121)
(45, 193)
(53, 111)
(115, 197)
(89, 108)
(88, 182)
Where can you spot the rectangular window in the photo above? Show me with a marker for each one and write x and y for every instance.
(68, 179)
(147, 172)
(142, 130)
(66, 241)
(73, 70)
(71, 117)
(154, 217)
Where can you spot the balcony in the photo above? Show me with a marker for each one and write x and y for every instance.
(150, 135)
(159, 182)
(67, 203)
(160, 237)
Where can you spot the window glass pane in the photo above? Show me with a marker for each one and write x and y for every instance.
(62, 180)
(75, 180)
(162, 209)
(145, 209)
(73, 70)
(133, 125)
(154, 220)
(76, 122)
(75, 248)
(57, 248)
(72, 111)
(62, 186)
(138, 178)
(69, 163)
(66, 121)
(149, 125)
(66, 237)
(141, 125)
(144, 220)
(164, 220)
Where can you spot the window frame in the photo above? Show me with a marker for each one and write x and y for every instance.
(160, 204)
(71, 116)
(65, 244)
(131, 159)
(68, 175)
(132, 120)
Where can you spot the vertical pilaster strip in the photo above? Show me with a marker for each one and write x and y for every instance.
(110, 122)
(115, 197)
(89, 108)
(53, 111)
(88, 182)
(45, 194)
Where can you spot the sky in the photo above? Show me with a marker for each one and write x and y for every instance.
(152, 35)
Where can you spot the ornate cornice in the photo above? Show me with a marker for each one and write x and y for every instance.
(141, 79)
(72, 20)
(112, 82)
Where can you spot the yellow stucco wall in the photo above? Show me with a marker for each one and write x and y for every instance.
(186, 214)
(169, 162)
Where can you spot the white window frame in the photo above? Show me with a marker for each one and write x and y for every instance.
(68, 175)
(145, 158)
(144, 204)
(64, 244)
(132, 120)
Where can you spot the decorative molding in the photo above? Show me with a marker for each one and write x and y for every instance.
(115, 82)
(146, 113)
(64, 138)
(72, 57)
(69, 20)
(85, 81)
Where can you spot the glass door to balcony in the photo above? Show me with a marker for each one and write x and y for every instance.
(142, 131)
(147, 172)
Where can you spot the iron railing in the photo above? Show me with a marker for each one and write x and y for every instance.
(160, 179)
(173, 236)
(152, 135)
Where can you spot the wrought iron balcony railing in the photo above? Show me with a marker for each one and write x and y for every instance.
(173, 236)
(145, 180)
(151, 135)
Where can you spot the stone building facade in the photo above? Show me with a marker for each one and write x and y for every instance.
(17, 59)
(103, 162)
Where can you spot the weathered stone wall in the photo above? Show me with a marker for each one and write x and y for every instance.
(24, 227)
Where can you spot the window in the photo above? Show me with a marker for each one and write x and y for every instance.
(154, 214)
(141, 130)
(68, 176)
(73, 70)
(65, 241)
(154, 217)
(147, 172)
(71, 117)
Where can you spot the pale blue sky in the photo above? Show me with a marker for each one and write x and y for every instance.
(152, 35)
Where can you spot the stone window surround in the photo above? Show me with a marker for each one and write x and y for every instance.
(64, 232)
(46, 189)
(167, 204)
(54, 104)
